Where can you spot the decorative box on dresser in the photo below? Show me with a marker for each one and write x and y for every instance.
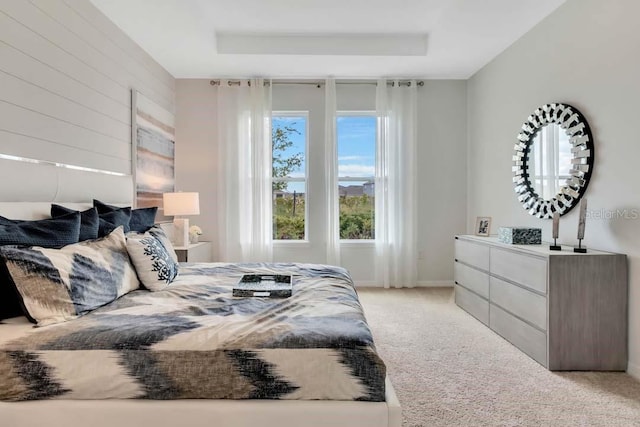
(567, 311)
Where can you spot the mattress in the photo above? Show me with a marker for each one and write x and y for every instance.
(194, 340)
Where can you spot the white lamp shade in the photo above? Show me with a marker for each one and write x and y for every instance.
(181, 204)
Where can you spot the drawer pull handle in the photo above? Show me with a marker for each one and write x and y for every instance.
(456, 259)
(456, 282)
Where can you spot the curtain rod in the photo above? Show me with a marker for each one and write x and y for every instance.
(314, 83)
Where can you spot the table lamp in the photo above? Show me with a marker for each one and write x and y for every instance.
(178, 205)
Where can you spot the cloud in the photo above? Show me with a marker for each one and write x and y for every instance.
(357, 134)
(353, 170)
(353, 158)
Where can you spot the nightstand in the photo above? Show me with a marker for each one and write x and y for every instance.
(195, 252)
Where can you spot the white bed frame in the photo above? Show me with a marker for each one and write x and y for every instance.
(201, 413)
(26, 192)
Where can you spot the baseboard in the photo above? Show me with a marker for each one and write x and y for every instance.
(633, 370)
(435, 284)
(366, 284)
(419, 284)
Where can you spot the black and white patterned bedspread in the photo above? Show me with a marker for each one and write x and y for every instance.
(194, 340)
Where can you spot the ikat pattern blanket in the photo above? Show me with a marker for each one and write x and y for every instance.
(194, 340)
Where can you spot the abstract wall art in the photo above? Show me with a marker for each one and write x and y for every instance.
(153, 136)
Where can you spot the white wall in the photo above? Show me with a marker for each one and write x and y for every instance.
(586, 54)
(66, 74)
(197, 151)
(441, 159)
(442, 164)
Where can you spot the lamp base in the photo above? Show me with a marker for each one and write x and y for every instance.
(181, 231)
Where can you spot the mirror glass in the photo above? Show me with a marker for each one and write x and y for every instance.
(549, 161)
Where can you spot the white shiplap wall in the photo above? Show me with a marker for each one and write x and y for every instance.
(66, 74)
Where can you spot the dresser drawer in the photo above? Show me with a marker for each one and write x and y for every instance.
(472, 279)
(473, 304)
(528, 271)
(524, 336)
(521, 302)
(473, 254)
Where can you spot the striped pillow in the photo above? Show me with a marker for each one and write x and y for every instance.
(61, 284)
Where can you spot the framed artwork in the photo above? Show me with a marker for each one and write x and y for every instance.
(153, 143)
(483, 225)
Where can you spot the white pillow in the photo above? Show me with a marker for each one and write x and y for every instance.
(156, 265)
(157, 232)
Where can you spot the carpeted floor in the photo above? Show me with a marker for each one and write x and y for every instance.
(450, 370)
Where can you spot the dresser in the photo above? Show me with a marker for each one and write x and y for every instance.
(565, 310)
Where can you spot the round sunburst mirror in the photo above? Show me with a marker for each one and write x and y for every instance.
(553, 160)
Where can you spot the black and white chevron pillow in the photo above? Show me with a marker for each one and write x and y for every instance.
(61, 284)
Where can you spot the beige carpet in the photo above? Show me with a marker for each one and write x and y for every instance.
(450, 370)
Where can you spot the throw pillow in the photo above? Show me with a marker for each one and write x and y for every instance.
(47, 233)
(157, 232)
(109, 221)
(61, 284)
(153, 261)
(89, 221)
(141, 219)
(10, 304)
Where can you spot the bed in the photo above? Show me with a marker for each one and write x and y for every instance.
(334, 378)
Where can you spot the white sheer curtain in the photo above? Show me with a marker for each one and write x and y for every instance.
(331, 172)
(244, 199)
(395, 184)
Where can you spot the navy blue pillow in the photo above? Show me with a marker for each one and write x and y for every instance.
(89, 221)
(111, 220)
(10, 302)
(141, 219)
(49, 233)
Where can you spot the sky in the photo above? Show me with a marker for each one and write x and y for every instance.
(356, 145)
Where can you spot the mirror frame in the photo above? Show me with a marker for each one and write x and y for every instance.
(581, 140)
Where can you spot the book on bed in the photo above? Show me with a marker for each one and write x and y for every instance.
(264, 285)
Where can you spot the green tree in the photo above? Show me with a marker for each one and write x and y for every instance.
(283, 166)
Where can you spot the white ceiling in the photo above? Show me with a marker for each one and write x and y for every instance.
(342, 38)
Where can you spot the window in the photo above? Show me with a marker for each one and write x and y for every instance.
(356, 139)
(549, 160)
(289, 175)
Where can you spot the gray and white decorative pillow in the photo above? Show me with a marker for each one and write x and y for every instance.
(157, 232)
(155, 264)
(61, 284)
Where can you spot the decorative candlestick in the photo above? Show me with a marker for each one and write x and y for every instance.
(581, 224)
(554, 233)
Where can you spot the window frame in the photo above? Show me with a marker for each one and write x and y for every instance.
(305, 114)
(357, 113)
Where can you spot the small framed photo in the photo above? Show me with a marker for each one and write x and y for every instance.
(483, 225)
